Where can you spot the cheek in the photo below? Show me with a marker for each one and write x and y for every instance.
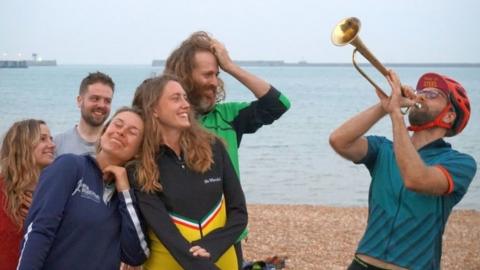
(102, 139)
(37, 154)
(38, 149)
(135, 142)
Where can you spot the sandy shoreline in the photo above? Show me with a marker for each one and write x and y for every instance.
(323, 237)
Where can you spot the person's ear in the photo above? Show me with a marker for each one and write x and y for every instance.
(79, 101)
(155, 113)
(450, 117)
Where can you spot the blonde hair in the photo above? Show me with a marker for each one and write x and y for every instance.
(18, 165)
(195, 142)
(181, 63)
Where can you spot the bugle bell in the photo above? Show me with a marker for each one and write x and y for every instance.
(346, 32)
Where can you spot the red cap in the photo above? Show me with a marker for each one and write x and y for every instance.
(433, 80)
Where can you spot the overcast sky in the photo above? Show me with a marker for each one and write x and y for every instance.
(137, 31)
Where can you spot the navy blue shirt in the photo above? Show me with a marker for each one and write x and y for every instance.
(76, 222)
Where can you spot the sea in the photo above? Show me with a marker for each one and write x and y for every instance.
(288, 162)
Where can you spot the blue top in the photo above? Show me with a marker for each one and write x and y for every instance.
(405, 227)
(77, 223)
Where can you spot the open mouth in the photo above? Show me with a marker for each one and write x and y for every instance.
(98, 113)
(183, 115)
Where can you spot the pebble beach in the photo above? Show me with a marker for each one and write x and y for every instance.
(324, 237)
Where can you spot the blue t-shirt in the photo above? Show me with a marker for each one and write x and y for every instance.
(405, 227)
(76, 222)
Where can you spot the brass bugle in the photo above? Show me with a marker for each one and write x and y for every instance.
(346, 32)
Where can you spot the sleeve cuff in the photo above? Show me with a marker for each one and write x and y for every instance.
(451, 184)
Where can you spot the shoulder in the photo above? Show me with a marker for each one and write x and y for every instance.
(378, 139)
(60, 137)
(217, 144)
(219, 148)
(71, 158)
(231, 107)
(62, 175)
(378, 142)
(459, 159)
(67, 162)
(375, 144)
(66, 133)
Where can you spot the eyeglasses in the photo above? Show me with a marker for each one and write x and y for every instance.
(430, 93)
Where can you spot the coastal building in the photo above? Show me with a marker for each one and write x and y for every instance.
(13, 64)
(36, 61)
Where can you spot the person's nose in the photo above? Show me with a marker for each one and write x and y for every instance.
(51, 144)
(185, 103)
(214, 81)
(121, 131)
(103, 103)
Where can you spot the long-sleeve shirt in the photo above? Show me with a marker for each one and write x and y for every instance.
(206, 209)
(230, 120)
(78, 222)
(10, 235)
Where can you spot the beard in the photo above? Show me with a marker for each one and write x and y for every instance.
(418, 117)
(204, 106)
(203, 103)
(92, 120)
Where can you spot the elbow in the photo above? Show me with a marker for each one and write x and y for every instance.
(415, 178)
(245, 223)
(135, 258)
(335, 141)
(138, 261)
(412, 183)
(244, 220)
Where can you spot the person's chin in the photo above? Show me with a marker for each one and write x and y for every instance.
(205, 106)
(184, 124)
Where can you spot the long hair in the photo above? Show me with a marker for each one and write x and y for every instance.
(195, 142)
(18, 166)
(182, 62)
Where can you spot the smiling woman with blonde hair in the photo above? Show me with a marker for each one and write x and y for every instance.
(26, 149)
(187, 188)
(83, 214)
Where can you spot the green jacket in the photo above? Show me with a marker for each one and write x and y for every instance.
(231, 120)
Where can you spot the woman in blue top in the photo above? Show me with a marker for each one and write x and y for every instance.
(83, 214)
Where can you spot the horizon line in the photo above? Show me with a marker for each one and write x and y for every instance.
(273, 63)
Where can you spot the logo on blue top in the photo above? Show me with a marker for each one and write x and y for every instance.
(86, 192)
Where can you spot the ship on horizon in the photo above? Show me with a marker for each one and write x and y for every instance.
(36, 61)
